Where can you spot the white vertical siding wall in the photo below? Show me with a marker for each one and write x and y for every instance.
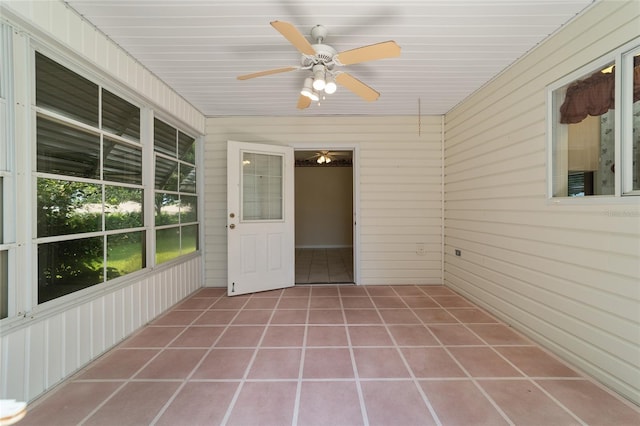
(568, 275)
(55, 21)
(399, 179)
(44, 351)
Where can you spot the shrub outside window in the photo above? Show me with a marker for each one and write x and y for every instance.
(588, 156)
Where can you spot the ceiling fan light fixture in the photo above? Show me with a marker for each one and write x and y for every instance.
(330, 86)
(320, 159)
(307, 88)
(318, 77)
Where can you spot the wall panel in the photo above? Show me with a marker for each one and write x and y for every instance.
(45, 351)
(398, 177)
(567, 275)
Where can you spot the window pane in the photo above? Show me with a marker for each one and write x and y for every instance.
(67, 151)
(167, 244)
(186, 148)
(584, 136)
(122, 163)
(65, 92)
(261, 186)
(187, 178)
(636, 124)
(188, 208)
(66, 207)
(167, 209)
(4, 284)
(123, 207)
(68, 266)
(189, 239)
(164, 138)
(1, 209)
(125, 253)
(166, 174)
(120, 117)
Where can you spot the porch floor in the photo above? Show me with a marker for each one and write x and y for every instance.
(329, 355)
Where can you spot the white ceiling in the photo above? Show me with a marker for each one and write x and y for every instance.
(450, 48)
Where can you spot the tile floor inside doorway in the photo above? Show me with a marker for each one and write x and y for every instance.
(324, 265)
(329, 355)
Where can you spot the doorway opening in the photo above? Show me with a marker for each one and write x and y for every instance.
(324, 216)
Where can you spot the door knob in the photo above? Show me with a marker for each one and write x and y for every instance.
(232, 226)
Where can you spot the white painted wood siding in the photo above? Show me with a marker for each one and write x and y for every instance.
(567, 275)
(54, 20)
(42, 352)
(399, 179)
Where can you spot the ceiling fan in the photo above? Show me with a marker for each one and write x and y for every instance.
(326, 157)
(322, 60)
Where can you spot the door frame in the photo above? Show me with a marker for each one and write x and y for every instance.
(355, 170)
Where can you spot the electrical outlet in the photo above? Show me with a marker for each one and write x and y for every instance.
(420, 249)
(458, 252)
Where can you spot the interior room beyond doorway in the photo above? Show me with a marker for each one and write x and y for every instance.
(324, 216)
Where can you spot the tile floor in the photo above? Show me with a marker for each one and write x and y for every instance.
(333, 265)
(329, 355)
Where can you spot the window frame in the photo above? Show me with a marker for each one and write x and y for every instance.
(622, 57)
(39, 112)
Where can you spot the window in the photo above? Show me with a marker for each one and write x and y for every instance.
(89, 213)
(595, 129)
(6, 175)
(176, 202)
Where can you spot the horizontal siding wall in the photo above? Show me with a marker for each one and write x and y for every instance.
(399, 179)
(43, 352)
(567, 275)
(54, 20)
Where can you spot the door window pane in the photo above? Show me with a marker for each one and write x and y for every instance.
(123, 207)
(262, 195)
(65, 92)
(65, 150)
(125, 253)
(68, 266)
(66, 207)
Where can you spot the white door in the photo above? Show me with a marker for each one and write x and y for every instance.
(260, 217)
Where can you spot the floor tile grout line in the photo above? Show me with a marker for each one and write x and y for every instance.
(145, 365)
(296, 405)
(415, 381)
(199, 363)
(356, 375)
(236, 395)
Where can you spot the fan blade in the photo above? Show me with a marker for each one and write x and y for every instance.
(294, 36)
(357, 87)
(303, 102)
(268, 72)
(387, 49)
